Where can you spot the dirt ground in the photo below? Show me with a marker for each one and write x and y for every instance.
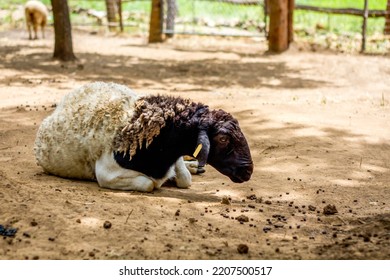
(317, 124)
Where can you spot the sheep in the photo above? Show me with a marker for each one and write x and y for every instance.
(126, 141)
(36, 15)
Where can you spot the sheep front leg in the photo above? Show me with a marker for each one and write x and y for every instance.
(110, 175)
(183, 176)
(193, 165)
(43, 31)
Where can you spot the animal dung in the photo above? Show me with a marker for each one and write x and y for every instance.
(107, 224)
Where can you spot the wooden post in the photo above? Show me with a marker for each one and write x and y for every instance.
(387, 24)
(291, 6)
(111, 14)
(156, 22)
(120, 15)
(266, 13)
(364, 27)
(171, 15)
(278, 26)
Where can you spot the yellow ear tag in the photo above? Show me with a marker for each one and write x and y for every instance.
(197, 150)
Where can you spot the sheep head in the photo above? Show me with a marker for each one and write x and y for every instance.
(224, 146)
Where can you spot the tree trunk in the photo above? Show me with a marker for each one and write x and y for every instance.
(387, 24)
(156, 21)
(278, 26)
(63, 47)
(171, 14)
(112, 11)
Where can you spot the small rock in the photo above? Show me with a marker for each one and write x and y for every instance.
(242, 218)
(7, 231)
(330, 209)
(192, 220)
(225, 200)
(243, 249)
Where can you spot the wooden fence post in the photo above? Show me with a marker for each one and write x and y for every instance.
(291, 6)
(278, 26)
(111, 8)
(156, 22)
(364, 27)
(120, 15)
(387, 24)
(171, 15)
(266, 14)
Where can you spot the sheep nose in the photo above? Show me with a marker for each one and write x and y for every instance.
(244, 172)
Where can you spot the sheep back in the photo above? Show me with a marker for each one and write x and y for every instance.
(151, 114)
(82, 127)
(36, 12)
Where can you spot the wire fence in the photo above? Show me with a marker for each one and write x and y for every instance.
(196, 17)
(343, 25)
(215, 17)
(333, 24)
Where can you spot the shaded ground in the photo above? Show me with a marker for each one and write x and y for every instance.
(317, 124)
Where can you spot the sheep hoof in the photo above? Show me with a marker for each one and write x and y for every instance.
(200, 170)
(192, 166)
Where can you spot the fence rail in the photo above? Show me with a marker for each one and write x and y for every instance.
(342, 11)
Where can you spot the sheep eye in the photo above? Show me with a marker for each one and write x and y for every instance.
(223, 139)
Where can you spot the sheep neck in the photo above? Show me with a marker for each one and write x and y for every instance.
(177, 137)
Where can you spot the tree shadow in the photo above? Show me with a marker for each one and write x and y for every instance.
(203, 73)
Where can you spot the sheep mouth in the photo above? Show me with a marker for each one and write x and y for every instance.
(240, 179)
(237, 179)
(242, 174)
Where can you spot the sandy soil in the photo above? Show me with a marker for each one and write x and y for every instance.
(317, 125)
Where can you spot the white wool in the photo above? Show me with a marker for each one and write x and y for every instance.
(82, 127)
(36, 6)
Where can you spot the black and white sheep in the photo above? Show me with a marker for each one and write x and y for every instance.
(36, 15)
(106, 132)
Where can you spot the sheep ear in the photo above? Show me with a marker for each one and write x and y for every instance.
(203, 154)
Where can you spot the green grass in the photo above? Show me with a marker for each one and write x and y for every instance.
(358, 4)
(219, 10)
